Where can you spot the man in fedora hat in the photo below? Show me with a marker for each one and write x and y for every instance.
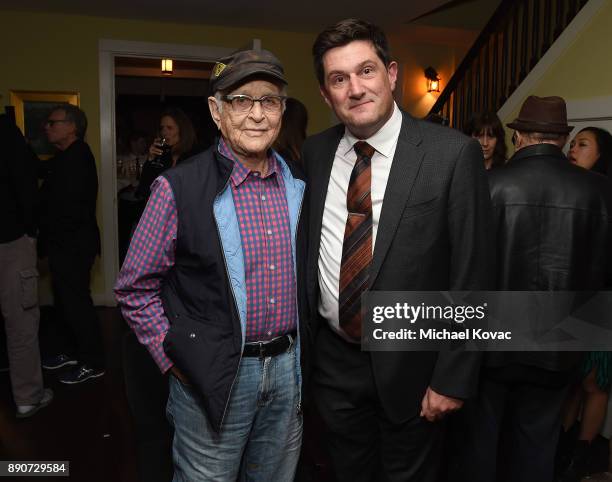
(552, 220)
(209, 285)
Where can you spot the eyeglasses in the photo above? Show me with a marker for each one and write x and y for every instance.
(52, 122)
(244, 103)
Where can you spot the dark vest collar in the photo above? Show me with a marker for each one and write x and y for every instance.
(224, 167)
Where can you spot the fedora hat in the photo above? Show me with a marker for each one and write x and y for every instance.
(542, 114)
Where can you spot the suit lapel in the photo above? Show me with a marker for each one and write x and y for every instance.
(319, 173)
(404, 170)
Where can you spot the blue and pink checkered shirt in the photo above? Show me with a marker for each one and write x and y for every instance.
(263, 218)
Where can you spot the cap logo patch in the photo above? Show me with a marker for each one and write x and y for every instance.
(218, 69)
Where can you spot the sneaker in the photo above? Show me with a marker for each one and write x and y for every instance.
(25, 411)
(80, 373)
(57, 361)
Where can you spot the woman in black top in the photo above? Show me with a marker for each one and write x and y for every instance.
(177, 131)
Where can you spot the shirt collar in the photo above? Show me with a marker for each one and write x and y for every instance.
(383, 140)
(240, 172)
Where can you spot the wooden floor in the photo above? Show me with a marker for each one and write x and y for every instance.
(88, 424)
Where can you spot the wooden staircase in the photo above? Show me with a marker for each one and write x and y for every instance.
(510, 45)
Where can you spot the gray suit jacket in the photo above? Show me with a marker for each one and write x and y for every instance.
(434, 234)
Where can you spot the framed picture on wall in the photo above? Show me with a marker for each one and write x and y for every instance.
(31, 111)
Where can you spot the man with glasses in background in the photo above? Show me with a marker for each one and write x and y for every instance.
(209, 286)
(69, 236)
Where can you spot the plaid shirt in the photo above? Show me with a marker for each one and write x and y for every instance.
(150, 257)
(261, 208)
(263, 219)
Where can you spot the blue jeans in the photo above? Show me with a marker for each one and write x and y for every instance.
(261, 434)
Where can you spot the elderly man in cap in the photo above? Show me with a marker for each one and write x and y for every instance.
(209, 287)
(552, 222)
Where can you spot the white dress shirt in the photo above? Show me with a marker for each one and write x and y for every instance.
(335, 214)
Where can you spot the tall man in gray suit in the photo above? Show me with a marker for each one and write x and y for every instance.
(395, 204)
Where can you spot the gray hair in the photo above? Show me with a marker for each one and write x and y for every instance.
(219, 101)
(546, 138)
(75, 115)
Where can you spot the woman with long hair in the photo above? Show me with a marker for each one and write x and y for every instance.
(590, 149)
(488, 129)
(176, 142)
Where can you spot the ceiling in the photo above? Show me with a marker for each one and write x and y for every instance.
(273, 14)
(464, 14)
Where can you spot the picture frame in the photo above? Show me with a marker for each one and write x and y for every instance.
(31, 111)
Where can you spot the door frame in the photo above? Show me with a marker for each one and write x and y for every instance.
(108, 49)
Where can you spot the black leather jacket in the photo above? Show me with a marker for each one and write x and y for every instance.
(553, 229)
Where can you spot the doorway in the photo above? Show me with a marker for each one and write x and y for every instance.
(144, 95)
(108, 51)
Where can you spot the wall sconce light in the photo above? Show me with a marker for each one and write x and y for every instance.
(166, 66)
(433, 81)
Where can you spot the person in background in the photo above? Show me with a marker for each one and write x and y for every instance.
(130, 161)
(553, 225)
(70, 238)
(590, 149)
(179, 135)
(130, 207)
(19, 277)
(488, 129)
(293, 131)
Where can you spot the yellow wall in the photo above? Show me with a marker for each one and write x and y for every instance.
(55, 52)
(584, 70)
(50, 52)
(414, 58)
(60, 52)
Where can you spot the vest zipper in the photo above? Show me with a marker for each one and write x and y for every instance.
(229, 278)
(297, 302)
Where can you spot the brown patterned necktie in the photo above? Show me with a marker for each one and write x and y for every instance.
(357, 246)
